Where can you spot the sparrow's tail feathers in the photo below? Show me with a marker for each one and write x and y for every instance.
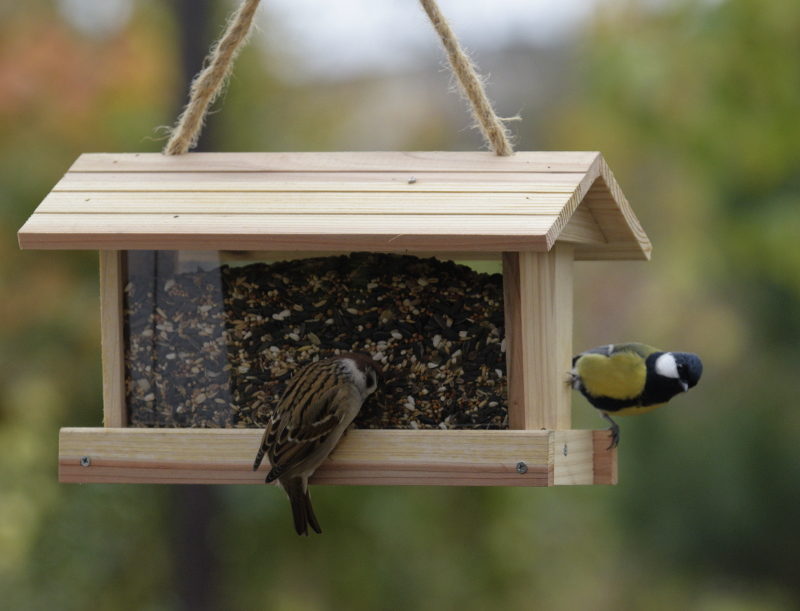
(302, 512)
(262, 449)
(259, 458)
(312, 519)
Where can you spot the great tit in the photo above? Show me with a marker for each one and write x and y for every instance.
(624, 379)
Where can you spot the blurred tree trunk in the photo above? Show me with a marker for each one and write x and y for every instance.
(192, 508)
(194, 559)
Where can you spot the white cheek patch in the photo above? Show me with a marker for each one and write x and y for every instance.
(666, 366)
(358, 377)
(372, 383)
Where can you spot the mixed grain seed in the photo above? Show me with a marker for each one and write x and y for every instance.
(215, 348)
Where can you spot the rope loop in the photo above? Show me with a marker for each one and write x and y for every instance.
(210, 81)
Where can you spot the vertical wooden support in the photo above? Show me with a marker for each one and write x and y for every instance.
(538, 317)
(112, 339)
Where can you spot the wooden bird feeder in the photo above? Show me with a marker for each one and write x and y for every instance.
(536, 211)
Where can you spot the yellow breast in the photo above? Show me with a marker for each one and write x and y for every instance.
(619, 376)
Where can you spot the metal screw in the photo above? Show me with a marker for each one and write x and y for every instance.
(412, 180)
(565, 449)
(85, 461)
(522, 468)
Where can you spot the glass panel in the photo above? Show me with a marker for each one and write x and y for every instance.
(212, 338)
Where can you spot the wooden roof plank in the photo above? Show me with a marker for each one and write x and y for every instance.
(227, 203)
(285, 232)
(391, 161)
(522, 182)
(388, 224)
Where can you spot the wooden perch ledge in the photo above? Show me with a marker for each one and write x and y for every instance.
(364, 457)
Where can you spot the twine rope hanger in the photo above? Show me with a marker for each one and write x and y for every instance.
(210, 81)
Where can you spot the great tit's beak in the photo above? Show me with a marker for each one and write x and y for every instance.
(685, 386)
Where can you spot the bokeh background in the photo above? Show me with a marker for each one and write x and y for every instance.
(695, 105)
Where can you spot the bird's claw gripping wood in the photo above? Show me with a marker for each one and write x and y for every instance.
(614, 432)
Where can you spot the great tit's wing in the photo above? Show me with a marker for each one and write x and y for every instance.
(642, 350)
(605, 350)
(616, 374)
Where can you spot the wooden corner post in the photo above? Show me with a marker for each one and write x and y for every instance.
(538, 318)
(111, 338)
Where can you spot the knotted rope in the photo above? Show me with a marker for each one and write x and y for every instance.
(209, 82)
(492, 127)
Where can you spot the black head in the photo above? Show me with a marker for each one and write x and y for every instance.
(669, 374)
(690, 368)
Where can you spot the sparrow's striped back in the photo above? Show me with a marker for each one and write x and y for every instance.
(299, 406)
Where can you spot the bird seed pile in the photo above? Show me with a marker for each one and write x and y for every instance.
(216, 348)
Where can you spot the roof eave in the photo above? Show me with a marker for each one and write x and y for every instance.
(599, 220)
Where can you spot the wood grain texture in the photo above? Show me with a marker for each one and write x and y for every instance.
(573, 454)
(605, 459)
(364, 457)
(111, 338)
(599, 206)
(391, 233)
(372, 161)
(512, 314)
(610, 208)
(583, 458)
(605, 252)
(394, 201)
(582, 229)
(313, 182)
(538, 317)
(287, 205)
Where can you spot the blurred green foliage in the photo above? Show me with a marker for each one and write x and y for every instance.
(694, 104)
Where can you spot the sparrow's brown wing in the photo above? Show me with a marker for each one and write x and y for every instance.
(293, 434)
(310, 381)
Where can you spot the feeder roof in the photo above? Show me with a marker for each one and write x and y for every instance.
(387, 201)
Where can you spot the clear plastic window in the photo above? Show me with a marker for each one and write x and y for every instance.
(212, 338)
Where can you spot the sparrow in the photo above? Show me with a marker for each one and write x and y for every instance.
(625, 379)
(321, 400)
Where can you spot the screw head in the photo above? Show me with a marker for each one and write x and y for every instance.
(565, 449)
(522, 468)
(412, 180)
(85, 461)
